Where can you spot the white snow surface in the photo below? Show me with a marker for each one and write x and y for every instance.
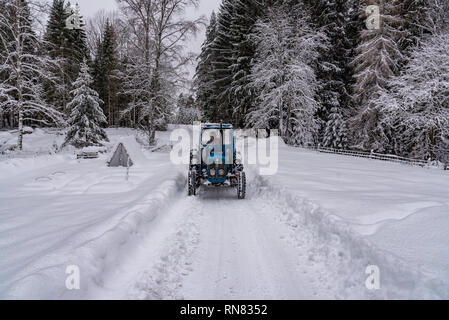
(308, 232)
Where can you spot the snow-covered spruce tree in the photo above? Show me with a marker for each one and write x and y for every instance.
(105, 73)
(57, 47)
(284, 78)
(335, 18)
(86, 115)
(416, 107)
(21, 92)
(336, 132)
(69, 46)
(438, 15)
(417, 21)
(378, 59)
(245, 15)
(6, 118)
(222, 61)
(203, 82)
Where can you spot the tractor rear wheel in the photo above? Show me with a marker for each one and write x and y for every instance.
(241, 187)
(192, 183)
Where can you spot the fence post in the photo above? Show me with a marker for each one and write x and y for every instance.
(372, 154)
(127, 169)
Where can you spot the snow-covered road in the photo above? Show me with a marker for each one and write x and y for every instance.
(146, 239)
(217, 247)
(243, 253)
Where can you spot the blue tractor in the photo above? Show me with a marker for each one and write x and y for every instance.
(216, 163)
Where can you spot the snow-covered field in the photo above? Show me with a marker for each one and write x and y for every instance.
(307, 233)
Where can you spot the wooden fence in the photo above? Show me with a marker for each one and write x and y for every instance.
(376, 156)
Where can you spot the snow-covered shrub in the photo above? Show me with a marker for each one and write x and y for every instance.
(187, 112)
(27, 130)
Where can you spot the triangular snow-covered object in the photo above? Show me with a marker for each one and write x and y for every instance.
(121, 157)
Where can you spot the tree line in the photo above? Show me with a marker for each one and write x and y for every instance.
(358, 74)
(122, 68)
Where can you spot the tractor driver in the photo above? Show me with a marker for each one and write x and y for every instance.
(211, 140)
(213, 137)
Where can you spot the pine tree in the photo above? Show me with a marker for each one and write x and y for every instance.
(230, 52)
(222, 61)
(378, 59)
(6, 116)
(415, 107)
(105, 71)
(56, 36)
(284, 78)
(336, 132)
(67, 45)
(438, 15)
(204, 80)
(78, 41)
(335, 19)
(417, 22)
(245, 15)
(86, 115)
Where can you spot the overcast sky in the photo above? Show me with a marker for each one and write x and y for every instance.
(90, 7)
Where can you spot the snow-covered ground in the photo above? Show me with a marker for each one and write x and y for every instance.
(401, 209)
(309, 232)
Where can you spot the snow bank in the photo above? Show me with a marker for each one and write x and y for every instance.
(381, 201)
(39, 142)
(387, 213)
(94, 251)
(56, 211)
(346, 252)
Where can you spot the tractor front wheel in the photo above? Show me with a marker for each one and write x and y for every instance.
(241, 187)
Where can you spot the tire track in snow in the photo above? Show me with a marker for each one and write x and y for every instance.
(164, 277)
(242, 254)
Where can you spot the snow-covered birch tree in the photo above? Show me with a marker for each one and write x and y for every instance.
(21, 91)
(86, 115)
(160, 30)
(284, 78)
